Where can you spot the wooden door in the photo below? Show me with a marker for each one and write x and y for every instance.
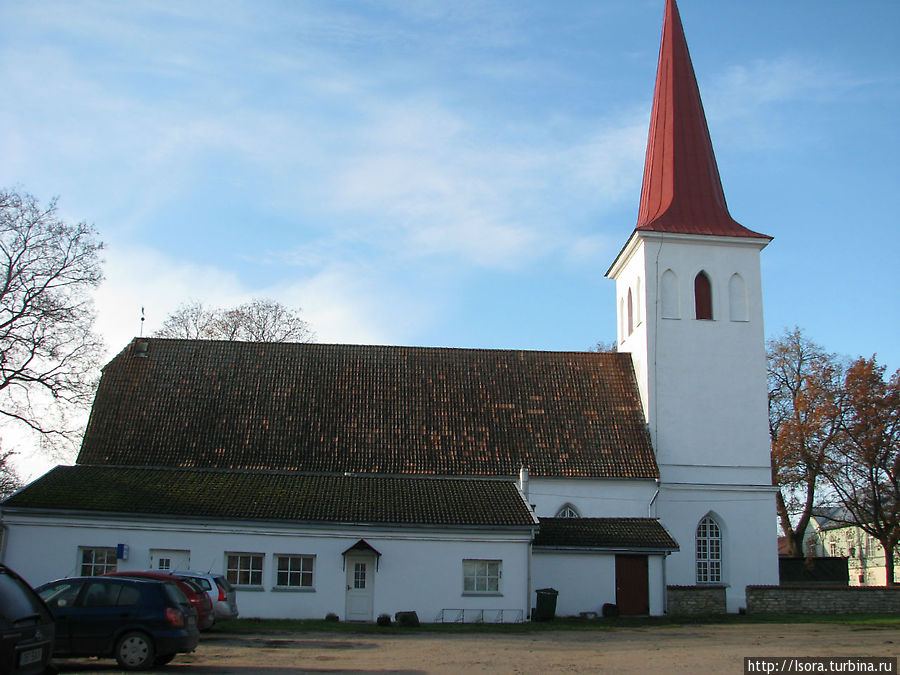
(360, 587)
(632, 586)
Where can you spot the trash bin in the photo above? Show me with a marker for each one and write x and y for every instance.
(546, 604)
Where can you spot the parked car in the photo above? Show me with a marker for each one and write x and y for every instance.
(222, 593)
(141, 622)
(26, 627)
(195, 595)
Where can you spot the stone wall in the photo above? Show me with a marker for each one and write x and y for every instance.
(819, 600)
(695, 600)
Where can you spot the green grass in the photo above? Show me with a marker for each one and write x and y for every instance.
(269, 626)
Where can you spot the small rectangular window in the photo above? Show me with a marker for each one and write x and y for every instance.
(244, 569)
(294, 571)
(481, 576)
(97, 560)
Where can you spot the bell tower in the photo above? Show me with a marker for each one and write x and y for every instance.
(689, 310)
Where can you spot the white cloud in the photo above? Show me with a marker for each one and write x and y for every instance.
(138, 276)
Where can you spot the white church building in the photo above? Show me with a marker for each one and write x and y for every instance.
(456, 483)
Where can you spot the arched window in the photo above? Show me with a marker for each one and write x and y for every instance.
(709, 552)
(568, 511)
(669, 292)
(737, 298)
(630, 313)
(637, 303)
(702, 297)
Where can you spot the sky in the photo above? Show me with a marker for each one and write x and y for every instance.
(455, 174)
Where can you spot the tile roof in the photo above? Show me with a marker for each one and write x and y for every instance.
(281, 496)
(630, 533)
(369, 409)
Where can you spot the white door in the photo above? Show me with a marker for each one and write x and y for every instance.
(166, 559)
(360, 587)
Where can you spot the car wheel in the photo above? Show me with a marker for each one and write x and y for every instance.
(163, 660)
(134, 651)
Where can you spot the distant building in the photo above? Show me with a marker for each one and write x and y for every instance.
(830, 535)
(454, 482)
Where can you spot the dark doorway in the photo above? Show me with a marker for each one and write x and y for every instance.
(632, 588)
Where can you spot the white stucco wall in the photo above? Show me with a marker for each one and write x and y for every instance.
(702, 382)
(746, 518)
(592, 498)
(587, 580)
(703, 386)
(418, 570)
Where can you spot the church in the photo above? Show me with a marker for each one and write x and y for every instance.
(456, 483)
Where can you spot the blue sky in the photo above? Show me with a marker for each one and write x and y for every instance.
(450, 173)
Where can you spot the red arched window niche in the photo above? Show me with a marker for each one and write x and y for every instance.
(702, 297)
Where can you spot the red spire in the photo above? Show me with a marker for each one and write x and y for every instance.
(682, 190)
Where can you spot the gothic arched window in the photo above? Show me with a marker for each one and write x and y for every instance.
(702, 297)
(630, 313)
(637, 303)
(709, 552)
(568, 511)
(669, 292)
(737, 298)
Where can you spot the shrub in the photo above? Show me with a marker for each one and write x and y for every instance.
(384, 620)
(331, 616)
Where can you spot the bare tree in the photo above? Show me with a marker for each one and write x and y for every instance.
(259, 320)
(865, 470)
(9, 479)
(48, 350)
(602, 347)
(804, 420)
(191, 321)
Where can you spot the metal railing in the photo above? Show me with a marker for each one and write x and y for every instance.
(480, 616)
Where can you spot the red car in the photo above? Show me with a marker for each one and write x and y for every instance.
(198, 598)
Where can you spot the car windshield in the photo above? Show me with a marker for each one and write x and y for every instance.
(61, 594)
(201, 582)
(17, 601)
(193, 583)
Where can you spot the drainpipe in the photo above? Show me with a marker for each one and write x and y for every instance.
(523, 488)
(653, 499)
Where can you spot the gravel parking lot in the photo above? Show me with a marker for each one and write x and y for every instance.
(695, 649)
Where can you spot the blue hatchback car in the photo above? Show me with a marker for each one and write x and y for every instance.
(142, 623)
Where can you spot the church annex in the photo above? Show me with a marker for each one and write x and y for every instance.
(363, 480)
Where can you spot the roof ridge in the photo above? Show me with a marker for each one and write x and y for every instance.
(316, 345)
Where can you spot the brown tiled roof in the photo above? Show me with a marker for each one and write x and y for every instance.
(369, 409)
(626, 533)
(282, 496)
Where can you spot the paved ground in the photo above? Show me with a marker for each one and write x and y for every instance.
(690, 649)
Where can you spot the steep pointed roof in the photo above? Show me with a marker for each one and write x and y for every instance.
(682, 191)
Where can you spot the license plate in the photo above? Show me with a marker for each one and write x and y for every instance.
(26, 658)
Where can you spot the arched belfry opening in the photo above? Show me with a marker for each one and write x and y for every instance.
(703, 308)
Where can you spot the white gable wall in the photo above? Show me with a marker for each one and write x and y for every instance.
(418, 570)
(592, 498)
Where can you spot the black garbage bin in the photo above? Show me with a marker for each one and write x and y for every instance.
(545, 609)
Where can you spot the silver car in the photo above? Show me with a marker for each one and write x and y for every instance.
(222, 593)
